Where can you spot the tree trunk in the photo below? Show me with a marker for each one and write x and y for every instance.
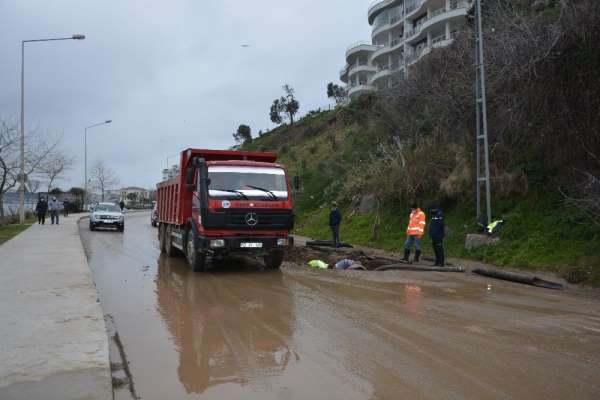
(1, 206)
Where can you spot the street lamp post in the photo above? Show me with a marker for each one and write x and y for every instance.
(22, 175)
(85, 195)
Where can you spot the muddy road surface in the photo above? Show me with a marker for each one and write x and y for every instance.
(241, 333)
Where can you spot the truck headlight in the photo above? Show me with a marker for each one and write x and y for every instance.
(282, 242)
(217, 243)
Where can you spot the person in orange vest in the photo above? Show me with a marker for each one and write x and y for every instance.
(415, 231)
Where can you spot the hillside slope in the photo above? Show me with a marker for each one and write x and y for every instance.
(415, 141)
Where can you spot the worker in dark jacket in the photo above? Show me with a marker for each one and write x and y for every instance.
(335, 219)
(437, 233)
(40, 209)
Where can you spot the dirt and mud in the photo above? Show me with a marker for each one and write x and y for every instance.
(239, 332)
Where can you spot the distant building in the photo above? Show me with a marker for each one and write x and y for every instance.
(403, 32)
(170, 173)
(134, 195)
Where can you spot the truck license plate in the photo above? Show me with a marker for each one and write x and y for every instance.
(251, 245)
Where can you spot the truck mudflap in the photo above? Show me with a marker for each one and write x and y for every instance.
(260, 245)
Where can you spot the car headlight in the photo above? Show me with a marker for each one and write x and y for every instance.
(217, 243)
(282, 242)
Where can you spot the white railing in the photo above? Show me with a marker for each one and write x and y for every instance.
(359, 43)
(379, 3)
(434, 14)
(438, 39)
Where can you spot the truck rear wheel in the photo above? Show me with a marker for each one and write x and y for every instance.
(161, 239)
(196, 259)
(168, 238)
(273, 260)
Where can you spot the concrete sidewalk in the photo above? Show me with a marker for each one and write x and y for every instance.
(53, 342)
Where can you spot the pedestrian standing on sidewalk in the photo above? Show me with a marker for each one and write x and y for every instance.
(40, 210)
(437, 232)
(415, 231)
(122, 205)
(335, 220)
(54, 207)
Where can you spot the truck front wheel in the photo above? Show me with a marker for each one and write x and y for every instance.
(273, 260)
(196, 259)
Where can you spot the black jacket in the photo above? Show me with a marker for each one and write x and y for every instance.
(41, 207)
(436, 226)
(335, 217)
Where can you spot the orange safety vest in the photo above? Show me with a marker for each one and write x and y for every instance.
(416, 225)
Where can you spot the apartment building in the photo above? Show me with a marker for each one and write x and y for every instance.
(403, 31)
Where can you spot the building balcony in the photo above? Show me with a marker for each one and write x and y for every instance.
(457, 9)
(360, 88)
(362, 67)
(395, 44)
(344, 74)
(378, 6)
(391, 24)
(357, 47)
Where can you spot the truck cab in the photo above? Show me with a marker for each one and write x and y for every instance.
(226, 203)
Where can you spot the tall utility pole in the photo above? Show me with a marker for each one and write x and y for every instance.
(483, 153)
(22, 177)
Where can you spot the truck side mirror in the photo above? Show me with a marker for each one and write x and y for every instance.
(189, 179)
(296, 182)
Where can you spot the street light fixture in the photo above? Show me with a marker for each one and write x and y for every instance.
(22, 174)
(85, 198)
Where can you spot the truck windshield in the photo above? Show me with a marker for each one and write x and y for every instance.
(245, 182)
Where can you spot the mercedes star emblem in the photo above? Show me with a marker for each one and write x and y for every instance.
(251, 219)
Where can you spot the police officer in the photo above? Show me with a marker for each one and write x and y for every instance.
(437, 233)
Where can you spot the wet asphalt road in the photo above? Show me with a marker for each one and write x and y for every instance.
(239, 333)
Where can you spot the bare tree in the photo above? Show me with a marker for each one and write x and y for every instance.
(54, 166)
(38, 147)
(103, 178)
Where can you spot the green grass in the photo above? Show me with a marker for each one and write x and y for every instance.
(539, 235)
(7, 232)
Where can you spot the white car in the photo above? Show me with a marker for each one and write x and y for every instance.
(107, 215)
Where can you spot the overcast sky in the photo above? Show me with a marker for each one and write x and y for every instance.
(170, 74)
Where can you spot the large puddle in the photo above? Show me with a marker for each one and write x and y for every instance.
(242, 333)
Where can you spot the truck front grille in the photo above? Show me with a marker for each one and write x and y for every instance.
(265, 219)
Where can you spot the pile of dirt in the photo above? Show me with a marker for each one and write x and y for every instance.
(302, 255)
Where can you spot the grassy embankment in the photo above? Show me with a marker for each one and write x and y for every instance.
(9, 231)
(326, 150)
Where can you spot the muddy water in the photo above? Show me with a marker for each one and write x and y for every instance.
(239, 333)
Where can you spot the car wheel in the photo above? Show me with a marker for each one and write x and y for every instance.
(196, 259)
(121, 228)
(92, 227)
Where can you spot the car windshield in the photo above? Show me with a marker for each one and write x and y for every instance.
(107, 208)
(246, 182)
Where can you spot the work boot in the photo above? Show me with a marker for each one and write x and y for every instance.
(406, 255)
(417, 255)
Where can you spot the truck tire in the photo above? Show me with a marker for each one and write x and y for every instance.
(196, 259)
(273, 260)
(168, 238)
(161, 239)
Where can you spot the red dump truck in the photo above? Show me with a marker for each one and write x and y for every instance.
(225, 203)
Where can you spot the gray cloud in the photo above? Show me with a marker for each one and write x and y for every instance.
(170, 74)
